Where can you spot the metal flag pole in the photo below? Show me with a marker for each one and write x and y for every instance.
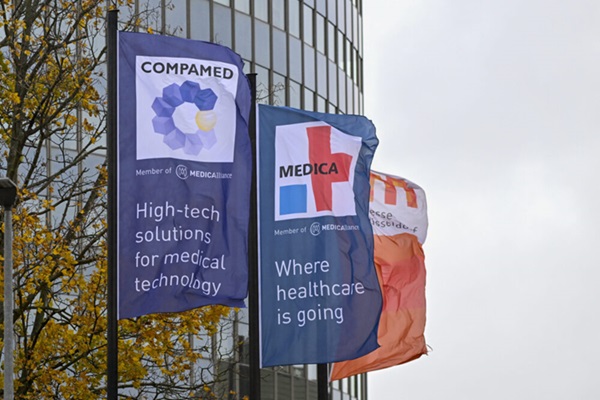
(8, 196)
(322, 378)
(253, 294)
(112, 362)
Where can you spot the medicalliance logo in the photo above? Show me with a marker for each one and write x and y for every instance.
(314, 171)
(185, 109)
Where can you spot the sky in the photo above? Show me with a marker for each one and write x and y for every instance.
(493, 108)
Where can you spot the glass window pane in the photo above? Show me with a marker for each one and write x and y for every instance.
(261, 9)
(243, 35)
(261, 43)
(321, 74)
(308, 25)
(224, 2)
(295, 59)
(309, 100)
(350, 95)
(355, 26)
(279, 13)
(331, 41)
(348, 57)
(359, 34)
(349, 9)
(341, 15)
(262, 84)
(279, 87)
(222, 26)
(279, 51)
(243, 6)
(176, 19)
(320, 32)
(294, 17)
(309, 67)
(152, 15)
(321, 104)
(294, 93)
(332, 83)
(342, 90)
(199, 9)
(332, 10)
(340, 47)
(322, 7)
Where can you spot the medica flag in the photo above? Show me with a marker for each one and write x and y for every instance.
(319, 295)
(184, 170)
(398, 214)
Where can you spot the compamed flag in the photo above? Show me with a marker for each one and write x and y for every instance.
(184, 173)
(398, 213)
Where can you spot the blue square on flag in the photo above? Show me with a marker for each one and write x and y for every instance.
(292, 199)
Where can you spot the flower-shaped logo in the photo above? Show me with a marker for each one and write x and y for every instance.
(175, 120)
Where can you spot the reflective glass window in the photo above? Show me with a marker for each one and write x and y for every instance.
(321, 104)
(348, 57)
(355, 27)
(294, 17)
(322, 7)
(279, 51)
(349, 9)
(307, 23)
(295, 94)
(262, 43)
(309, 100)
(279, 13)
(332, 71)
(342, 90)
(279, 89)
(320, 33)
(224, 2)
(341, 24)
(321, 74)
(243, 6)
(200, 12)
(262, 84)
(340, 47)
(222, 25)
(295, 66)
(309, 67)
(350, 95)
(261, 9)
(152, 10)
(331, 41)
(359, 42)
(332, 11)
(243, 35)
(176, 19)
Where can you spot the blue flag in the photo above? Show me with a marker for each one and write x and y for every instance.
(184, 169)
(319, 293)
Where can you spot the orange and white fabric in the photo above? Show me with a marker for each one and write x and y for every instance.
(398, 213)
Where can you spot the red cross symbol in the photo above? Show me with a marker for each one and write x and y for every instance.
(319, 151)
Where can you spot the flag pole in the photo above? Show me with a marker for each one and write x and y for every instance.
(253, 294)
(322, 378)
(112, 363)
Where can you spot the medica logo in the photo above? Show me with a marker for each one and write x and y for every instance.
(314, 171)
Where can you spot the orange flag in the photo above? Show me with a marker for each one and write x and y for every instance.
(398, 213)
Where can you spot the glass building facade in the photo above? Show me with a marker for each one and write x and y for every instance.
(307, 54)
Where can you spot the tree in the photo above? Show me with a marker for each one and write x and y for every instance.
(52, 140)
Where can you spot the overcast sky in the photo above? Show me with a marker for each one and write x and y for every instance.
(493, 107)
